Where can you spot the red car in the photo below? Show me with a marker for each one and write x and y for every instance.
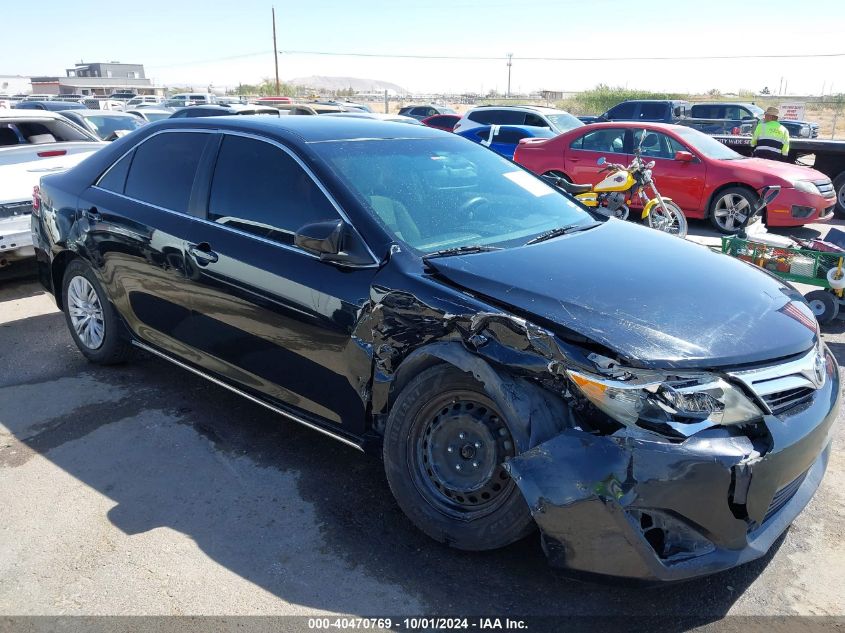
(703, 176)
(442, 121)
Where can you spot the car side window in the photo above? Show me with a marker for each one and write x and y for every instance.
(509, 136)
(622, 111)
(652, 111)
(610, 140)
(115, 178)
(535, 120)
(658, 145)
(163, 170)
(481, 116)
(260, 189)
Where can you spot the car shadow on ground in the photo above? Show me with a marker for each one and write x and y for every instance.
(294, 512)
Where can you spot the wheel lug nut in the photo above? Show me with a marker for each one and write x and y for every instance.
(478, 445)
(502, 432)
(508, 446)
(457, 467)
(451, 449)
(475, 464)
(462, 435)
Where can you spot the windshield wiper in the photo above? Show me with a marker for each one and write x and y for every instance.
(461, 250)
(561, 230)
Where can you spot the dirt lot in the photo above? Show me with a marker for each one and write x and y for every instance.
(142, 489)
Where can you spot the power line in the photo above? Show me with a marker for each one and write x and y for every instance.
(567, 59)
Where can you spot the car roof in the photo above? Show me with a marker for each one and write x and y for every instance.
(29, 113)
(88, 112)
(628, 125)
(524, 107)
(309, 129)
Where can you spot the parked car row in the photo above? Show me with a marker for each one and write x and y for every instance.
(414, 295)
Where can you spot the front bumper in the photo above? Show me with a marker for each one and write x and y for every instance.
(642, 508)
(15, 238)
(796, 208)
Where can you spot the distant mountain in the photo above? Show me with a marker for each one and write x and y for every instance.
(342, 83)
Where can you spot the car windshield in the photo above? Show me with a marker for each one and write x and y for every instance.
(444, 110)
(707, 145)
(444, 193)
(110, 127)
(564, 121)
(756, 111)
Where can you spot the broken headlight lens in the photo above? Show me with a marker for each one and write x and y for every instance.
(685, 403)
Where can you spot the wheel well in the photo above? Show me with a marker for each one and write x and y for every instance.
(60, 264)
(719, 190)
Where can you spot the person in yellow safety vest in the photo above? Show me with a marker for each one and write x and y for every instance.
(770, 138)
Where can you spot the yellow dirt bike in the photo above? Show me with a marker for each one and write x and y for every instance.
(613, 194)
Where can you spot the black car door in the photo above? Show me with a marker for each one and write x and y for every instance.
(269, 316)
(135, 224)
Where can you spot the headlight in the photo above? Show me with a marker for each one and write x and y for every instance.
(806, 186)
(685, 403)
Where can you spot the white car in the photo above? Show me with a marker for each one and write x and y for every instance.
(558, 121)
(32, 143)
(134, 102)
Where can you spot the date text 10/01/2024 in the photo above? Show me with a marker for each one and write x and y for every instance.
(413, 624)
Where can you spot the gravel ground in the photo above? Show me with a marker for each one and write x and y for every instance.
(142, 489)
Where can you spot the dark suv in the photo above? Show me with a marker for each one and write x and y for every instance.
(650, 110)
(420, 112)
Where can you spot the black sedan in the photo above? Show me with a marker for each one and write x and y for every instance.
(659, 410)
(223, 110)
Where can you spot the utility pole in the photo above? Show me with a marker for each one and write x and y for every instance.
(510, 57)
(275, 50)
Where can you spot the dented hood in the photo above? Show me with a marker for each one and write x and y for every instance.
(654, 299)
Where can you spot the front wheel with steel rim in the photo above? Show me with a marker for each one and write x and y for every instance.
(90, 316)
(824, 305)
(668, 218)
(731, 209)
(445, 445)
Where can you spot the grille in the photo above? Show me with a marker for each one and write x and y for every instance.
(825, 188)
(783, 496)
(781, 401)
(15, 209)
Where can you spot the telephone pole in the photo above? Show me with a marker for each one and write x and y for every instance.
(510, 57)
(275, 50)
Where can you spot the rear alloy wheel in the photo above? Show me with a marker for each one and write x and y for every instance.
(823, 304)
(731, 209)
(90, 317)
(444, 449)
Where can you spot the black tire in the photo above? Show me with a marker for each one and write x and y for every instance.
(839, 188)
(716, 207)
(113, 348)
(481, 512)
(823, 304)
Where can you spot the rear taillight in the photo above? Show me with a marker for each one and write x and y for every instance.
(36, 201)
(52, 152)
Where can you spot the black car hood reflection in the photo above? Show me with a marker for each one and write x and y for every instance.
(652, 298)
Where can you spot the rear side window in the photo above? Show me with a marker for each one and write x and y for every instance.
(652, 111)
(163, 170)
(115, 178)
(622, 111)
(510, 136)
(535, 121)
(606, 140)
(260, 189)
(498, 117)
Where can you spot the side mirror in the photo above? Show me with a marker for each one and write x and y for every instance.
(684, 157)
(321, 238)
(333, 241)
(768, 194)
(601, 161)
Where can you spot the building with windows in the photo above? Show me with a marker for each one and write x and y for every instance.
(98, 79)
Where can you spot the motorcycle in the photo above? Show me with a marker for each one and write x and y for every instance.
(612, 195)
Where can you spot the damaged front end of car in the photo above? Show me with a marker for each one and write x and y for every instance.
(649, 474)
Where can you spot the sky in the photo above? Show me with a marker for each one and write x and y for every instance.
(188, 42)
